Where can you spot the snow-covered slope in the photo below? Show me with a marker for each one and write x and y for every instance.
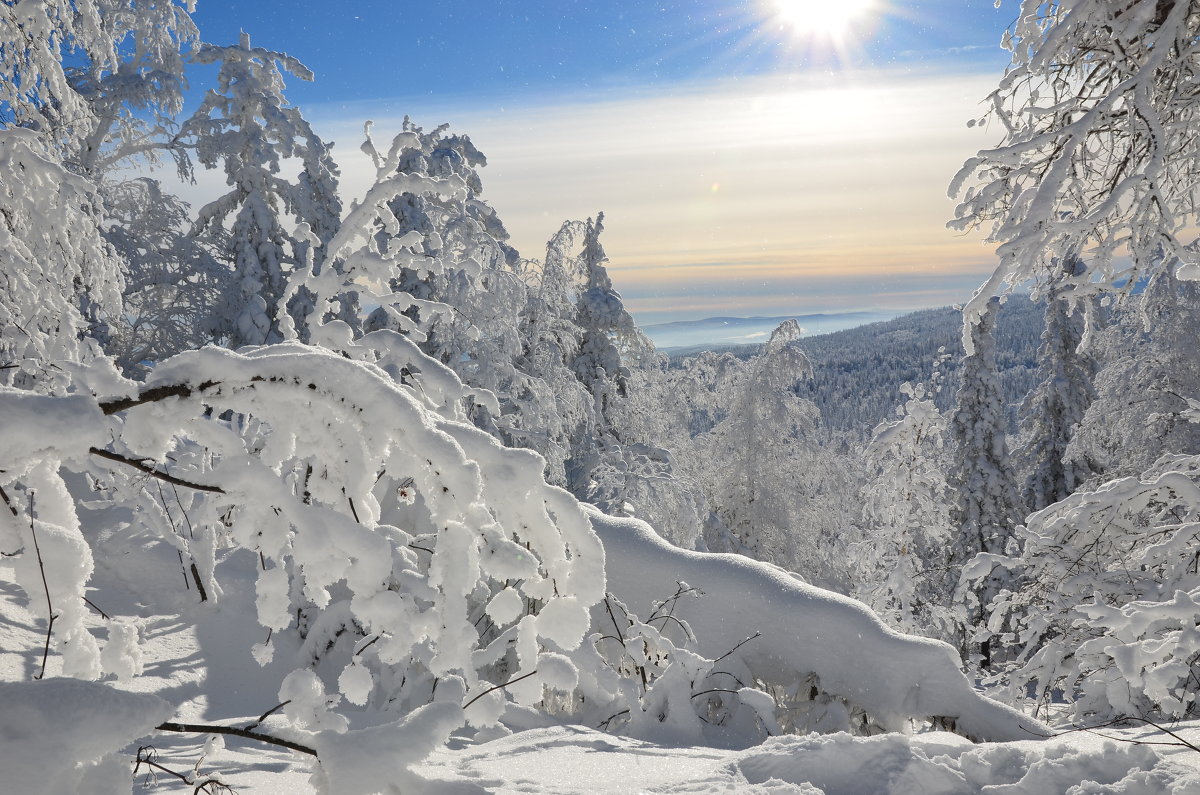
(801, 631)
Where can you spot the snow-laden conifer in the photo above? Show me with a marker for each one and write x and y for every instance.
(247, 127)
(986, 504)
(1054, 410)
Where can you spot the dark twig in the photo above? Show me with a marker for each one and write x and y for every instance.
(735, 648)
(620, 634)
(141, 466)
(267, 714)
(713, 690)
(1182, 743)
(199, 728)
(8, 502)
(673, 601)
(49, 606)
(730, 675)
(668, 617)
(359, 650)
(92, 605)
(182, 566)
(199, 582)
(147, 755)
(497, 687)
(604, 723)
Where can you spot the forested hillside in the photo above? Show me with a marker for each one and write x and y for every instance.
(857, 372)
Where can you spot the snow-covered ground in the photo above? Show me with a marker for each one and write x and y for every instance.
(197, 658)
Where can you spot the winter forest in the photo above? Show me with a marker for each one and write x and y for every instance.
(307, 492)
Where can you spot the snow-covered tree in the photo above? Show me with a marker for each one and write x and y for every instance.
(1108, 598)
(986, 502)
(904, 558)
(174, 288)
(135, 97)
(1099, 158)
(54, 265)
(123, 84)
(1151, 369)
(1099, 161)
(1052, 411)
(35, 91)
(667, 409)
(465, 267)
(556, 416)
(774, 489)
(100, 80)
(247, 127)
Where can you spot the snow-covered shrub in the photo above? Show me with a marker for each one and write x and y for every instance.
(1107, 601)
(382, 531)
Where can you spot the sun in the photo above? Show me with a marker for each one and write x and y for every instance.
(830, 19)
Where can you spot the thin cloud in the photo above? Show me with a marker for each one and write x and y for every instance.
(763, 180)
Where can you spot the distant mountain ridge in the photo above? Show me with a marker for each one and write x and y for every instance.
(717, 331)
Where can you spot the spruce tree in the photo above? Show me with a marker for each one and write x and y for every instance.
(1055, 408)
(248, 127)
(987, 504)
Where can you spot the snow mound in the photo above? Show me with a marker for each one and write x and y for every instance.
(805, 631)
(62, 735)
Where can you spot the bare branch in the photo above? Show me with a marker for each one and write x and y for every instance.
(497, 687)
(200, 728)
(140, 465)
(49, 606)
(153, 395)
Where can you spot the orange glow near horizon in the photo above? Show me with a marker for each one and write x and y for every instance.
(778, 179)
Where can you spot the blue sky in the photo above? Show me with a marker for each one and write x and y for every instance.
(744, 167)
